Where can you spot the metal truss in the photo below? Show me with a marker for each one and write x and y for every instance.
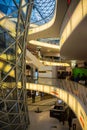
(13, 105)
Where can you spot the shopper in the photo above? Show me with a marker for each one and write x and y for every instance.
(70, 122)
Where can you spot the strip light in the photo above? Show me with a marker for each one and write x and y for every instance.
(55, 63)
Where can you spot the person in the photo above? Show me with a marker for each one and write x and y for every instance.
(74, 123)
(33, 96)
(70, 122)
(77, 78)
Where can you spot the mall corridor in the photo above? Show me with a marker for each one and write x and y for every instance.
(42, 120)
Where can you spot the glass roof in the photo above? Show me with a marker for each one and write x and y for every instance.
(8, 7)
(42, 12)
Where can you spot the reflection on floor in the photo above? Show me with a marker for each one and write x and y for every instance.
(42, 121)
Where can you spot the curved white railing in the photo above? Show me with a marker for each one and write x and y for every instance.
(72, 93)
(78, 15)
(52, 28)
(7, 24)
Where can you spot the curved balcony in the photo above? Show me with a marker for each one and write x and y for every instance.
(49, 29)
(72, 93)
(73, 33)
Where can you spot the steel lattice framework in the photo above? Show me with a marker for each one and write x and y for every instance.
(13, 105)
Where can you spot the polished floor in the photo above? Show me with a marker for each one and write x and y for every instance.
(42, 121)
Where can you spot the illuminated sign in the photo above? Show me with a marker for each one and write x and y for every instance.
(54, 91)
(82, 121)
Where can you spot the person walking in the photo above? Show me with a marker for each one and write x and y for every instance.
(70, 122)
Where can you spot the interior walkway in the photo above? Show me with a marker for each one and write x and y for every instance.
(42, 121)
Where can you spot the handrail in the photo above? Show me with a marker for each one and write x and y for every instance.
(70, 23)
(72, 87)
(72, 93)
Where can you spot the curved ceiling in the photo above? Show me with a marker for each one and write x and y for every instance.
(75, 47)
(74, 37)
(54, 30)
(50, 32)
(62, 10)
